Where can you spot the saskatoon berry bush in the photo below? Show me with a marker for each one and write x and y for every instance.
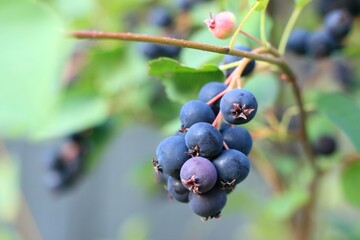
(257, 103)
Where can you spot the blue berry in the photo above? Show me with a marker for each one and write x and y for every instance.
(177, 190)
(160, 16)
(338, 23)
(238, 106)
(325, 145)
(298, 40)
(198, 174)
(237, 138)
(152, 50)
(195, 111)
(321, 44)
(209, 204)
(171, 154)
(209, 91)
(232, 167)
(229, 59)
(204, 140)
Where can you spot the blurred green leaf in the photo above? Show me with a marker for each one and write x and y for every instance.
(265, 87)
(350, 178)
(134, 227)
(261, 6)
(343, 112)
(286, 204)
(9, 190)
(183, 83)
(31, 41)
(74, 114)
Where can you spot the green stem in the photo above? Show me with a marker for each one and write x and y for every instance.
(232, 42)
(262, 26)
(289, 26)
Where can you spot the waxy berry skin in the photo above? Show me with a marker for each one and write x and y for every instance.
(209, 204)
(238, 106)
(195, 111)
(222, 25)
(198, 174)
(171, 155)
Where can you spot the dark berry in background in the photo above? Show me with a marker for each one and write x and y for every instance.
(325, 145)
(229, 59)
(209, 204)
(204, 140)
(171, 154)
(209, 91)
(298, 40)
(338, 23)
(160, 16)
(198, 174)
(321, 44)
(238, 106)
(195, 111)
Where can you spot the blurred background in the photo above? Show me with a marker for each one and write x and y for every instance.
(80, 121)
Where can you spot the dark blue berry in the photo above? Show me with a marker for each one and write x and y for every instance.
(177, 190)
(209, 204)
(237, 138)
(195, 111)
(238, 106)
(204, 140)
(209, 91)
(152, 50)
(229, 59)
(198, 174)
(321, 44)
(325, 145)
(232, 167)
(171, 154)
(338, 23)
(160, 16)
(298, 41)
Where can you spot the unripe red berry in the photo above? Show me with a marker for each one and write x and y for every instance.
(222, 25)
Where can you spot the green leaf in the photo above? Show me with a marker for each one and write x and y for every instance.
(32, 47)
(301, 3)
(350, 178)
(265, 87)
(74, 114)
(343, 112)
(183, 83)
(9, 190)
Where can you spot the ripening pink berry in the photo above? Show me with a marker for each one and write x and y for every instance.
(222, 25)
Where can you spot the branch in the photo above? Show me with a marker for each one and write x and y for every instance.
(134, 37)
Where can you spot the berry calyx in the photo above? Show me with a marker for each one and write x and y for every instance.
(222, 25)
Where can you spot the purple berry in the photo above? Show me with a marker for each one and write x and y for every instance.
(198, 174)
(298, 41)
(338, 23)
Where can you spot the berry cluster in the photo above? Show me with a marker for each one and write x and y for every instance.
(207, 158)
(337, 24)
